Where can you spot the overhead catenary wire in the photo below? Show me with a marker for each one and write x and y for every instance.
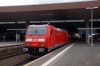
(41, 1)
(41, 14)
(29, 4)
(38, 1)
(47, 15)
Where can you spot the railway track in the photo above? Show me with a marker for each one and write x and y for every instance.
(17, 58)
(3, 56)
(21, 63)
(32, 59)
(10, 55)
(10, 50)
(11, 46)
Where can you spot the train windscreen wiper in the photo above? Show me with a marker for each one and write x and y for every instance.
(36, 31)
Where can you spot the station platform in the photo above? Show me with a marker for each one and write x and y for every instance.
(77, 54)
(11, 43)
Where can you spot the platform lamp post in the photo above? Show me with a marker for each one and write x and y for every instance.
(91, 8)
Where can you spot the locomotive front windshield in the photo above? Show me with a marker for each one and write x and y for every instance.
(36, 30)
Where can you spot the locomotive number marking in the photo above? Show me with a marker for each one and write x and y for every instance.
(25, 49)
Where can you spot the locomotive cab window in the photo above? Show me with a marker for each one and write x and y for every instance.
(36, 30)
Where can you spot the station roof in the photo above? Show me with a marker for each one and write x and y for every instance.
(65, 11)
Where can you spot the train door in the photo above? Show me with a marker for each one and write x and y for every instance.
(52, 38)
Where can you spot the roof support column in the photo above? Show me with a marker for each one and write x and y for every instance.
(87, 31)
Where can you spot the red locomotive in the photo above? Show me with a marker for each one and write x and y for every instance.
(44, 38)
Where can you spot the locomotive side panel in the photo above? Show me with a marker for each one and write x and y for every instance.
(66, 36)
(51, 38)
(60, 37)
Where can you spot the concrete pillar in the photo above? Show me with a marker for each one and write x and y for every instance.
(87, 31)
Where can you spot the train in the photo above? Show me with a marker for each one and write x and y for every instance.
(44, 38)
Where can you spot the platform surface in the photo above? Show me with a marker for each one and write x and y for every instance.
(80, 54)
(10, 43)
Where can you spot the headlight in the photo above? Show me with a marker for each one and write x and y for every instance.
(28, 39)
(41, 40)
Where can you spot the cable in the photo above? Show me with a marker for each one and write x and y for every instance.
(27, 2)
(41, 14)
(41, 1)
(38, 0)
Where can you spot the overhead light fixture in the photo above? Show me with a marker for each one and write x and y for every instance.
(2, 22)
(21, 22)
(91, 7)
